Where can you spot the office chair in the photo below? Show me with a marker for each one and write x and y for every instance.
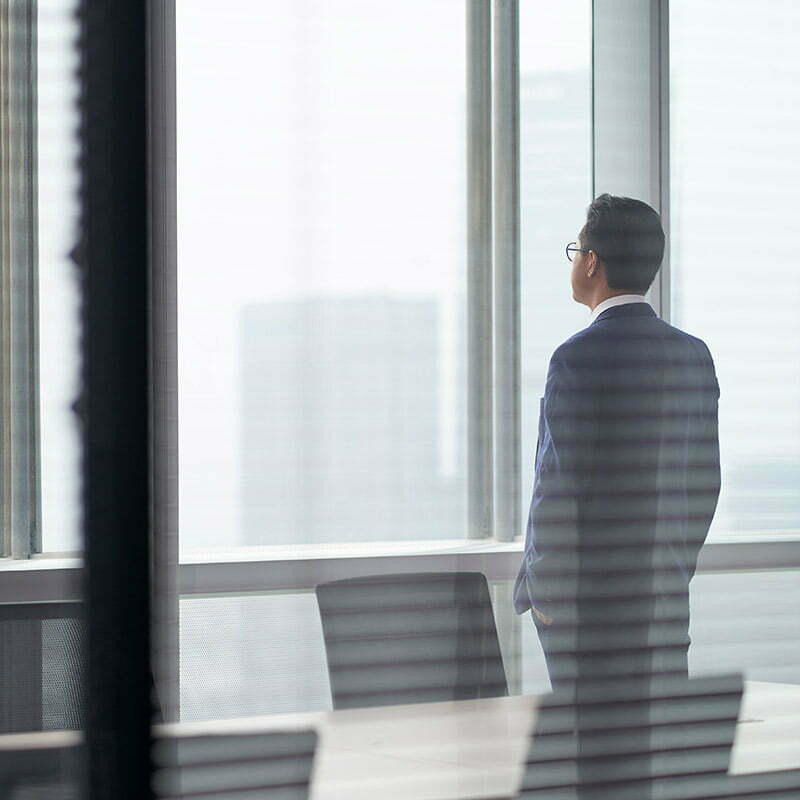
(671, 737)
(256, 766)
(42, 664)
(43, 773)
(394, 639)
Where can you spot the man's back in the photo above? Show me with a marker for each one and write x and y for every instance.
(627, 480)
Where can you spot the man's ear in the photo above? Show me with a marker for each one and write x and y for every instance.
(592, 264)
(596, 264)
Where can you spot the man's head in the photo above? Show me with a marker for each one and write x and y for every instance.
(622, 244)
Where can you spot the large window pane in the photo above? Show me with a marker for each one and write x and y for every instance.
(555, 186)
(321, 260)
(735, 187)
(42, 623)
(59, 322)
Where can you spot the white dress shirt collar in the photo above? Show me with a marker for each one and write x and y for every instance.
(619, 300)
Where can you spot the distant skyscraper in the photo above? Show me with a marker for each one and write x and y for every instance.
(341, 423)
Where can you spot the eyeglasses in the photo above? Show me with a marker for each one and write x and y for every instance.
(573, 248)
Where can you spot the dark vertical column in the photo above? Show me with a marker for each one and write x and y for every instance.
(115, 396)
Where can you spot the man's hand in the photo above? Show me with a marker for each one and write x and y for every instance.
(542, 617)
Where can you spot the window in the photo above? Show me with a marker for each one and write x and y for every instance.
(326, 365)
(59, 294)
(39, 316)
(555, 189)
(42, 632)
(734, 191)
(322, 265)
(323, 293)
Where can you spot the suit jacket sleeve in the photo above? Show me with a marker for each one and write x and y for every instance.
(564, 461)
(704, 471)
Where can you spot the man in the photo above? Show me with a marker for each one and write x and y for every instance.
(627, 468)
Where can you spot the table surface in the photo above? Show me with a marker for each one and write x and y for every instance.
(460, 750)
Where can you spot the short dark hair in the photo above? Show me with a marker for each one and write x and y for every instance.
(628, 238)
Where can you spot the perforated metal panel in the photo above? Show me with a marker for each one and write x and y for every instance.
(41, 666)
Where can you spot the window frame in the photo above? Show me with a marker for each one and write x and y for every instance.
(20, 472)
(630, 113)
(494, 259)
(116, 55)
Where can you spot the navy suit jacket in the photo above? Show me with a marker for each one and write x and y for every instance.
(627, 469)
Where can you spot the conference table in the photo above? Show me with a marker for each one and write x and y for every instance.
(461, 750)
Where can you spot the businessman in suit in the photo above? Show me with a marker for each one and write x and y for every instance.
(626, 470)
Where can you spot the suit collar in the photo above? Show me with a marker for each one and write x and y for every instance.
(627, 310)
(616, 300)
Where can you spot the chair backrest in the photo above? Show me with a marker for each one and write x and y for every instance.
(42, 661)
(44, 765)
(234, 766)
(675, 735)
(41, 666)
(415, 638)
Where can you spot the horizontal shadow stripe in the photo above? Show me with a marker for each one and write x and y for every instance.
(454, 661)
(622, 783)
(235, 760)
(414, 608)
(441, 687)
(601, 654)
(443, 634)
(625, 727)
(266, 787)
(611, 493)
(641, 730)
(618, 520)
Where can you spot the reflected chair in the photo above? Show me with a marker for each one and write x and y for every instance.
(672, 738)
(255, 766)
(415, 638)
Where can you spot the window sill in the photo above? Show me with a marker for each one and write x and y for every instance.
(300, 552)
(42, 561)
(59, 577)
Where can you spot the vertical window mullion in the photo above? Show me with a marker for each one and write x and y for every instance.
(164, 356)
(505, 123)
(480, 481)
(660, 129)
(630, 99)
(20, 498)
(5, 291)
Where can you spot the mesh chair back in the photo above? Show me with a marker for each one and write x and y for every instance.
(672, 739)
(415, 638)
(258, 766)
(41, 666)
